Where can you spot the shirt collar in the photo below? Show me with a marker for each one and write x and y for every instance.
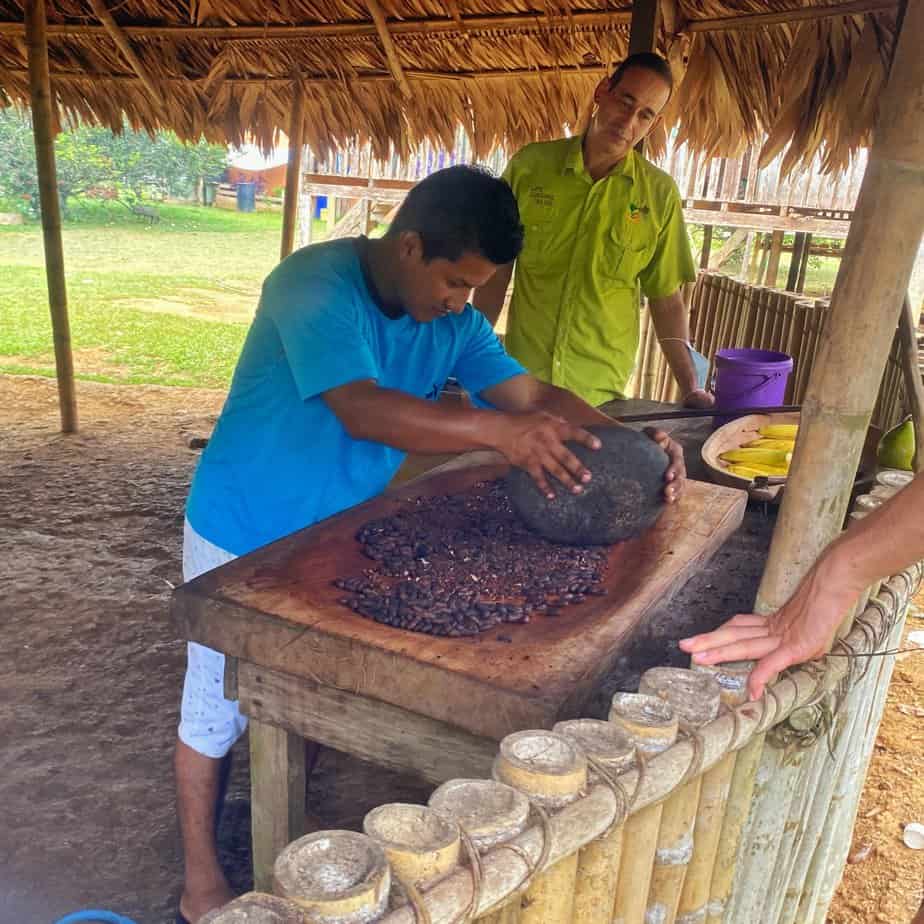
(574, 161)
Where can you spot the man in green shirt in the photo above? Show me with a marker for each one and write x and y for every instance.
(601, 224)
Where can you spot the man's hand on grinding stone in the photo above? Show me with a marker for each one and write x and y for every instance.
(535, 441)
(676, 474)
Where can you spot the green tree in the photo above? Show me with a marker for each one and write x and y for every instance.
(93, 160)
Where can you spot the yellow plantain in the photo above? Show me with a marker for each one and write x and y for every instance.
(775, 457)
(780, 431)
(766, 443)
(747, 471)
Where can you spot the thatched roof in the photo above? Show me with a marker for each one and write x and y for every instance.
(398, 72)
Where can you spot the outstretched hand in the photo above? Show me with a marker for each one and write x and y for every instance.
(801, 630)
(676, 474)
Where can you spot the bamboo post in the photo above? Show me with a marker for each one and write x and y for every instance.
(732, 679)
(43, 129)
(745, 274)
(421, 846)
(836, 844)
(649, 361)
(695, 697)
(293, 170)
(491, 814)
(877, 263)
(551, 772)
(707, 247)
(803, 262)
(611, 750)
(792, 278)
(773, 261)
(652, 725)
(764, 252)
(914, 387)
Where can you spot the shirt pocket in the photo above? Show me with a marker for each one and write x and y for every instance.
(624, 254)
(537, 240)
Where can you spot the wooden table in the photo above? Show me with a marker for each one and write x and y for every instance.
(305, 666)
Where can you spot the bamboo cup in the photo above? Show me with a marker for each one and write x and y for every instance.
(339, 877)
(256, 908)
(552, 772)
(695, 698)
(491, 813)
(611, 751)
(651, 724)
(421, 846)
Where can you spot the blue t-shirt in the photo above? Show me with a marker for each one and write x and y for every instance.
(279, 459)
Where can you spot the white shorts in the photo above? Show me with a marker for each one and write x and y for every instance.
(209, 723)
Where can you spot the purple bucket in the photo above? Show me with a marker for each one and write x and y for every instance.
(749, 378)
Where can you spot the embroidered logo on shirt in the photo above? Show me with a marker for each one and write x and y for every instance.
(539, 195)
(636, 212)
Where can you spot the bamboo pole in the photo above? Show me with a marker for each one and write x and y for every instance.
(491, 814)
(764, 252)
(43, 128)
(914, 387)
(840, 823)
(803, 262)
(293, 170)
(773, 262)
(877, 263)
(649, 361)
(551, 772)
(707, 247)
(692, 909)
(695, 697)
(598, 863)
(652, 725)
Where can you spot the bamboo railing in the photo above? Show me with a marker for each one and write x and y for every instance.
(726, 313)
(820, 719)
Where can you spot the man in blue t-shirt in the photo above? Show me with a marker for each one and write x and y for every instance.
(337, 380)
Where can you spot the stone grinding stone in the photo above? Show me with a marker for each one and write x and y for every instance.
(623, 499)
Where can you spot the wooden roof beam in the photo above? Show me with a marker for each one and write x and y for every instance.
(388, 44)
(362, 77)
(124, 45)
(526, 22)
(798, 14)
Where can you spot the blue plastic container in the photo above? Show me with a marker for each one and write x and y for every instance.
(246, 197)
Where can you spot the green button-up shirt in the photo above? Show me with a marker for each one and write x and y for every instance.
(589, 247)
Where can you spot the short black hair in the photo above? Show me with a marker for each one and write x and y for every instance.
(650, 62)
(463, 209)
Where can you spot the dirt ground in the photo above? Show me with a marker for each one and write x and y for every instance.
(90, 672)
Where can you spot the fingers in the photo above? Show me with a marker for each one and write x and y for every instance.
(537, 473)
(744, 625)
(676, 469)
(748, 649)
(767, 668)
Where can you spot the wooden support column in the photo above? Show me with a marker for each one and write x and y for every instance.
(43, 127)
(911, 371)
(643, 30)
(803, 262)
(277, 796)
(792, 279)
(707, 247)
(865, 306)
(773, 263)
(294, 169)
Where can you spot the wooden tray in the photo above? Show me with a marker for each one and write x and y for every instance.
(278, 609)
(734, 434)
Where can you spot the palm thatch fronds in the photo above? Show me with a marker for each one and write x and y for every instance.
(510, 72)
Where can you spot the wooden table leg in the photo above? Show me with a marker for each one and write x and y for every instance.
(277, 796)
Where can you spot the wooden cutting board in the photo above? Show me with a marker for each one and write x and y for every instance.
(277, 608)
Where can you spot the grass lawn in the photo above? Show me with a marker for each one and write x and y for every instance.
(166, 304)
